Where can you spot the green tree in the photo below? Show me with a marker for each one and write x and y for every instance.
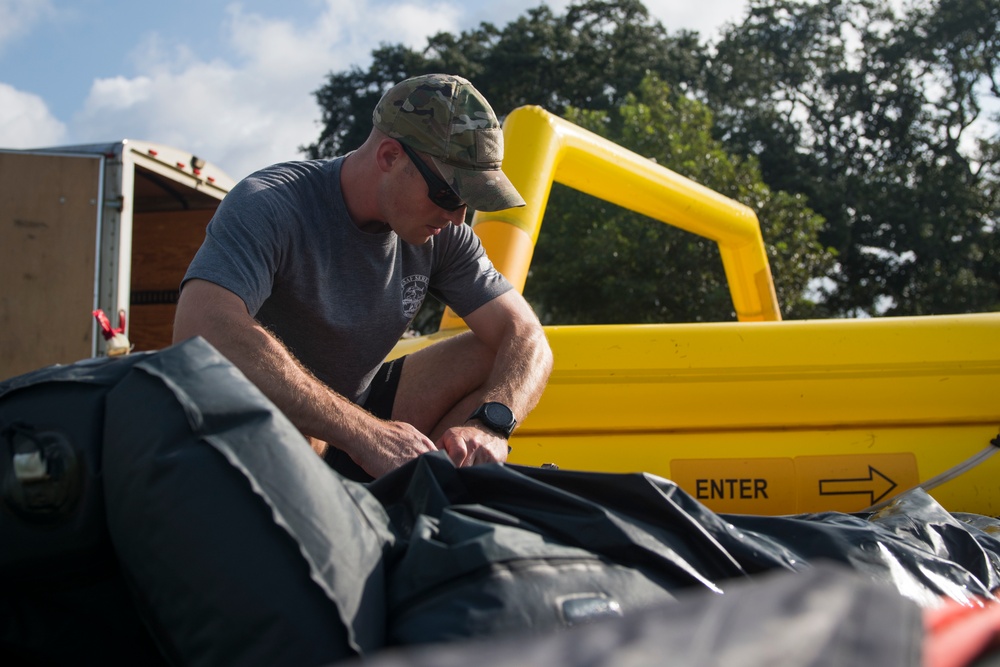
(587, 63)
(591, 57)
(872, 115)
(597, 263)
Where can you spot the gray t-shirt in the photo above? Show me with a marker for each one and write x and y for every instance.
(337, 297)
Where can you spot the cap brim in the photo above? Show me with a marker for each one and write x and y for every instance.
(482, 190)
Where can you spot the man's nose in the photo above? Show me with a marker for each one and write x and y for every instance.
(457, 216)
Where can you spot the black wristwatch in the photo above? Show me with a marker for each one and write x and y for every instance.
(497, 417)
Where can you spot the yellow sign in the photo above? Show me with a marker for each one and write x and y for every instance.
(843, 483)
(850, 483)
(739, 486)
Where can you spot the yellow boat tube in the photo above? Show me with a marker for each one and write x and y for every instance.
(758, 416)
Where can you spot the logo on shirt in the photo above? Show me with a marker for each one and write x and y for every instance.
(414, 291)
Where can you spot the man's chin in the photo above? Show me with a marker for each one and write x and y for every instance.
(423, 240)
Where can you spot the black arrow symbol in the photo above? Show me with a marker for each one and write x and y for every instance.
(871, 485)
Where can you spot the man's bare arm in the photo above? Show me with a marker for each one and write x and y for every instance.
(221, 317)
(520, 372)
(524, 359)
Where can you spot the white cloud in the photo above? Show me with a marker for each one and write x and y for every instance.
(502, 13)
(256, 106)
(18, 16)
(120, 93)
(25, 120)
(706, 17)
(252, 103)
(408, 23)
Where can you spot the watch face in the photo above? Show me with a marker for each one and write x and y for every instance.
(497, 417)
(499, 414)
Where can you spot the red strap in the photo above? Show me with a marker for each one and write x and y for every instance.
(106, 329)
(957, 634)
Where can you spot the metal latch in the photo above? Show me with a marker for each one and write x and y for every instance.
(42, 479)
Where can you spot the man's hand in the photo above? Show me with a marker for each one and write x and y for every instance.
(470, 445)
(392, 444)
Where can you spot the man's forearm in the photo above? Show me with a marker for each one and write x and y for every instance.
(315, 409)
(522, 356)
(522, 368)
(318, 411)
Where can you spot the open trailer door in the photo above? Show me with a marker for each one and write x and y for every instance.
(103, 226)
(49, 228)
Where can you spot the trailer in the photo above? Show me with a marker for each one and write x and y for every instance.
(108, 227)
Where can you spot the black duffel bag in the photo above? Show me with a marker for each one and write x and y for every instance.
(62, 596)
(242, 547)
(464, 567)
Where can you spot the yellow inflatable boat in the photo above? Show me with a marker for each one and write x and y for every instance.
(758, 416)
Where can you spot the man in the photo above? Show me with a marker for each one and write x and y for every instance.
(311, 271)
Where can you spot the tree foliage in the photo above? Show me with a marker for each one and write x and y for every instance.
(591, 57)
(597, 263)
(872, 115)
(845, 124)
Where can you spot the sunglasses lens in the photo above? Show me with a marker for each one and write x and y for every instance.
(447, 199)
(438, 191)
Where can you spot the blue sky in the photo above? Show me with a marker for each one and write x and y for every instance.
(231, 80)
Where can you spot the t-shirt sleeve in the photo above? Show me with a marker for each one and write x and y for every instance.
(242, 247)
(464, 278)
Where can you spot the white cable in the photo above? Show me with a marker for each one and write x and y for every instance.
(946, 476)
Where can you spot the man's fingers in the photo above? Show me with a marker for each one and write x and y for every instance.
(457, 448)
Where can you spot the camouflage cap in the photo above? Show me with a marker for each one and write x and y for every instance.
(445, 117)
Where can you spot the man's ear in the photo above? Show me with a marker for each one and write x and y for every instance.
(387, 154)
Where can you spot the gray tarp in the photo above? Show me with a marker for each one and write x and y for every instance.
(240, 547)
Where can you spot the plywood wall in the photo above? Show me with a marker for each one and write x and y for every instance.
(48, 239)
(163, 244)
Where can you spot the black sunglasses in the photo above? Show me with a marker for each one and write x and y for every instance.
(438, 191)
